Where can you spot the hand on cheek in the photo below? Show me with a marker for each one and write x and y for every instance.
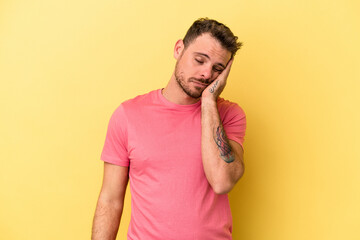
(213, 91)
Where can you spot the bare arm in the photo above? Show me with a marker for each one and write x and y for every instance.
(110, 203)
(222, 158)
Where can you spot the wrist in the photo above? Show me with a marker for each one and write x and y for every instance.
(208, 102)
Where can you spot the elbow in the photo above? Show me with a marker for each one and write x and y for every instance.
(221, 189)
(225, 186)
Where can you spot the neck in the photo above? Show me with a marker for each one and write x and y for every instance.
(174, 93)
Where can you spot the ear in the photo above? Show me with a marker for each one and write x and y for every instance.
(179, 48)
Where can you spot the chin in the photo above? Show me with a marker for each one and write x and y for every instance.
(195, 94)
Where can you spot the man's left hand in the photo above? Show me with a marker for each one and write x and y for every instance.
(213, 91)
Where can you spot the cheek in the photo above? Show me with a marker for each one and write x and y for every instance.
(186, 67)
(215, 75)
(190, 71)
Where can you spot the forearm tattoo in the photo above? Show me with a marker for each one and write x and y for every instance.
(212, 89)
(223, 145)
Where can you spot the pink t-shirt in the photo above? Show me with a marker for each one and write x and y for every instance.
(160, 142)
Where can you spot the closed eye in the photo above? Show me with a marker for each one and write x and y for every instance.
(199, 61)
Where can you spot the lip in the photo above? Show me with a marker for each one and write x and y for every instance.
(200, 83)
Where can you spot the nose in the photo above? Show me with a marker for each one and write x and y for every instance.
(206, 72)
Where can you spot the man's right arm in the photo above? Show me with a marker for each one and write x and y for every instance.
(110, 203)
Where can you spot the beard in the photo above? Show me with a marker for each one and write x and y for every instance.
(184, 83)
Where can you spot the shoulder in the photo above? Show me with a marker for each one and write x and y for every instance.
(233, 119)
(136, 103)
(227, 108)
(133, 105)
(140, 100)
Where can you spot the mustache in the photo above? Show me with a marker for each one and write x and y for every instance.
(204, 81)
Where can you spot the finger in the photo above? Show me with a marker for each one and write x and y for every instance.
(228, 66)
(226, 71)
(230, 62)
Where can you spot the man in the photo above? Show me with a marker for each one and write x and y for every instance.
(181, 148)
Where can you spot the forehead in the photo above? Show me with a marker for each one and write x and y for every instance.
(206, 44)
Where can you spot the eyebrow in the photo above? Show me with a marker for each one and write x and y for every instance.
(207, 56)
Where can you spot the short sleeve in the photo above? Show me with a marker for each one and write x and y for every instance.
(115, 146)
(234, 121)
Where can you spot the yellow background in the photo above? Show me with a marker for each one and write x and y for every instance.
(66, 65)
